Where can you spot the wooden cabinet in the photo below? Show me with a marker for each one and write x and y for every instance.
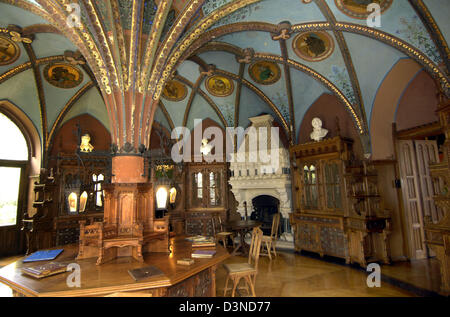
(368, 223)
(319, 189)
(39, 228)
(338, 211)
(206, 195)
(437, 231)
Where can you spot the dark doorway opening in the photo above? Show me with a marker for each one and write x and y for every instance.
(264, 207)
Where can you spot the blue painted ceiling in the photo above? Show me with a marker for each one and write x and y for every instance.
(356, 66)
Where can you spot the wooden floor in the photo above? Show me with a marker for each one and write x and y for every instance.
(294, 275)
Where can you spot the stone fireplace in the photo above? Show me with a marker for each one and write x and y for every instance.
(252, 179)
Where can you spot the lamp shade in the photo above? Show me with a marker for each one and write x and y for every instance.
(73, 201)
(83, 201)
(161, 198)
(172, 195)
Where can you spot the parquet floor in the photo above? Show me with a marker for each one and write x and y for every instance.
(294, 275)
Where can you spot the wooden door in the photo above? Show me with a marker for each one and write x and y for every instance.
(427, 153)
(410, 183)
(12, 207)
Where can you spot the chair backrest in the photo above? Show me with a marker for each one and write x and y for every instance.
(255, 247)
(275, 225)
(217, 223)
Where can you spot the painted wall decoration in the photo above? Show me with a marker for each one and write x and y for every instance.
(219, 86)
(174, 91)
(416, 34)
(63, 75)
(341, 79)
(313, 46)
(358, 8)
(264, 72)
(9, 51)
(282, 102)
(227, 110)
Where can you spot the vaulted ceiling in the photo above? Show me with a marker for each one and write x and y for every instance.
(270, 56)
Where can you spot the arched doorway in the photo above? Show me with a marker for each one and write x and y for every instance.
(14, 159)
(264, 207)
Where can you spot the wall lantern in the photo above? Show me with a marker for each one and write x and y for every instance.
(161, 202)
(172, 196)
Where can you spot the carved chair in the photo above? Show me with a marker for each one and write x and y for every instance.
(268, 242)
(219, 232)
(248, 270)
(103, 237)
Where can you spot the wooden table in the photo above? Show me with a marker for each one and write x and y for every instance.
(242, 227)
(112, 277)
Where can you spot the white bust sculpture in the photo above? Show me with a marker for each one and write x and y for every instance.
(318, 132)
(205, 148)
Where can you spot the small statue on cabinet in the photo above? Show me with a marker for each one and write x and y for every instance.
(318, 132)
(85, 145)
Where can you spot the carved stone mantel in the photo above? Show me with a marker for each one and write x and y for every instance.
(253, 177)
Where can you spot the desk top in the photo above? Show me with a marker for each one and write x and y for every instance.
(242, 224)
(113, 276)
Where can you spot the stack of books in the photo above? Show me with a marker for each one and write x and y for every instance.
(203, 242)
(203, 253)
(43, 270)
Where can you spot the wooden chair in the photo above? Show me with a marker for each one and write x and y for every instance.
(268, 242)
(220, 233)
(248, 270)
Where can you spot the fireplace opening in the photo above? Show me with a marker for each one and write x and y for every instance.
(264, 207)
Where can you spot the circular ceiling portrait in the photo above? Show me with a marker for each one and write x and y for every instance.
(174, 91)
(313, 46)
(9, 51)
(358, 8)
(219, 86)
(265, 73)
(63, 75)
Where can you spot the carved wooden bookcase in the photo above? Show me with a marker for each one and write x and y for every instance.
(437, 233)
(75, 174)
(206, 185)
(319, 197)
(38, 228)
(368, 223)
(336, 203)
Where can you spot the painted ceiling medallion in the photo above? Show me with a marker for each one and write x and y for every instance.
(9, 51)
(358, 8)
(63, 75)
(219, 86)
(265, 73)
(174, 91)
(313, 46)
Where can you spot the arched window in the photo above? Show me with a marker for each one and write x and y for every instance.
(13, 145)
(13, 160)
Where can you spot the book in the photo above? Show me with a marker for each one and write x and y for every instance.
(185, 261)
(145, 272)
(204, 244)
(203, 253)
(44, 255)
(43, 270)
